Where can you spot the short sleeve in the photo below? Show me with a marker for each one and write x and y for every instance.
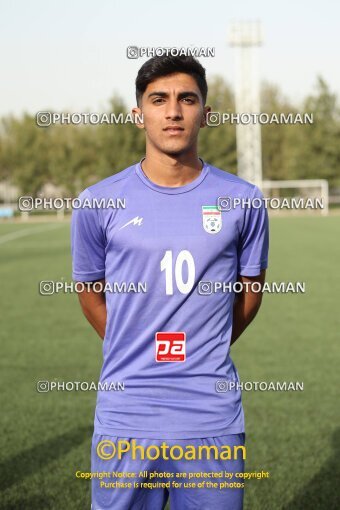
(254, 238)
(87, 243)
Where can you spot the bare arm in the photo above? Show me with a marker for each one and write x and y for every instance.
(246, 305)
(93, 305)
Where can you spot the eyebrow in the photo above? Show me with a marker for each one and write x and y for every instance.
(181, 95)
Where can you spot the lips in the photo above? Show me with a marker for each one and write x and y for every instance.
(173, 129)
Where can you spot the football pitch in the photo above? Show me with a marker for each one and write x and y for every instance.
(294, 435)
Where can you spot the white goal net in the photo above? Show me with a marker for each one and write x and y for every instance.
(305, 195)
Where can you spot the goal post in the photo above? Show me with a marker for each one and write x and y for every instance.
(303, 194)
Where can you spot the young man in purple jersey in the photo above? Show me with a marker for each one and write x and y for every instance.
(168, 337)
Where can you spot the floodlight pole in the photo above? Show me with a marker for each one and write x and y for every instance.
(246, 37)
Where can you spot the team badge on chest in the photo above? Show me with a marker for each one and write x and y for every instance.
(212, 219)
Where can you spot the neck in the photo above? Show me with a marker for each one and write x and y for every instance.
(171, 171)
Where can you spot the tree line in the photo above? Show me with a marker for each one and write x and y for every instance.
(76, 156)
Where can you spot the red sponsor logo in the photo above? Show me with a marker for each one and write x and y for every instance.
(170, 346)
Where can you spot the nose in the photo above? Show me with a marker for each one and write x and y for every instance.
(173, 110)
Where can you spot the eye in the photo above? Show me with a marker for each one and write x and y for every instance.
(158, 100)
(188, 100)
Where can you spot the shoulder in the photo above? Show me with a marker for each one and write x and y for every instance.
(233, 183)
(109, 185)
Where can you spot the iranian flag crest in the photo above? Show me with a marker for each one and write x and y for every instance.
(212, 219)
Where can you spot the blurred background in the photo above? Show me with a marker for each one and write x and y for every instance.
(72, 58)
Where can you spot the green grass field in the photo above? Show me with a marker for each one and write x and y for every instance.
(294, 435)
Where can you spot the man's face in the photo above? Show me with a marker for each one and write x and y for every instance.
(173, 113)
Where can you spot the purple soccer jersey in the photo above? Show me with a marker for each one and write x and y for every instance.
(168, 334)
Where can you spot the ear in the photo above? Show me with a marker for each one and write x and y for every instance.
(207, 109)
(138, 117)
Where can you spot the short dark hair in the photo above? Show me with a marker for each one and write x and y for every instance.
(164, 65)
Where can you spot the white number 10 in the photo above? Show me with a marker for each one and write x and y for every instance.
(167, 266)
